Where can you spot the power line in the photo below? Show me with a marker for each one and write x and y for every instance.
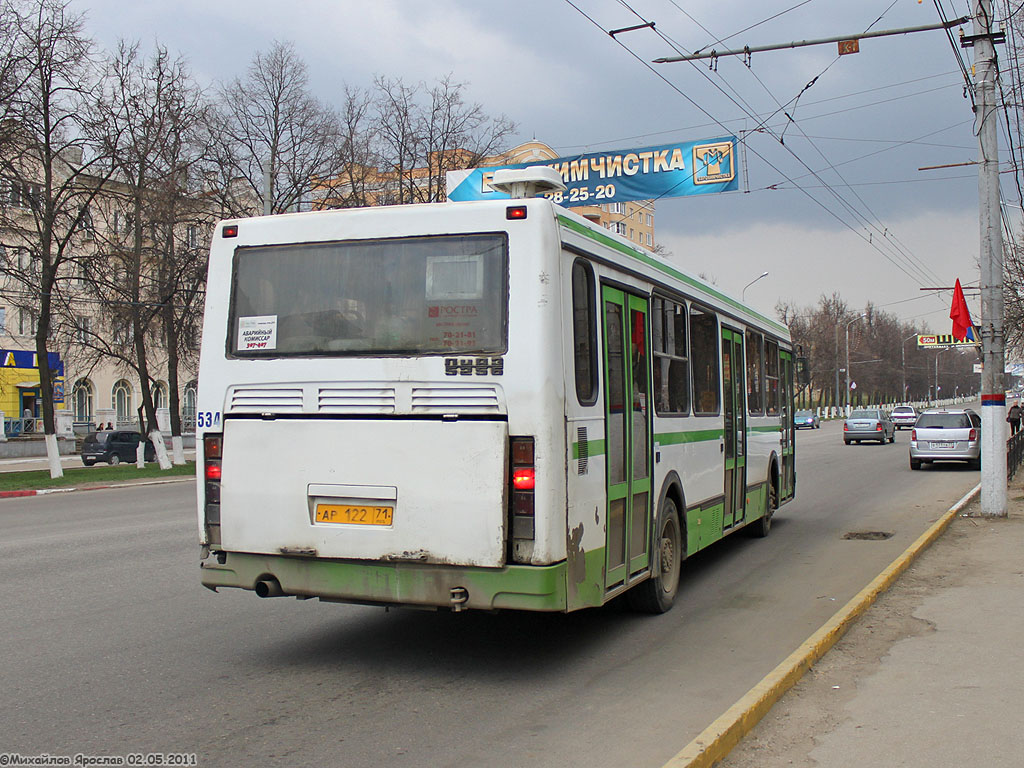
(899, 251)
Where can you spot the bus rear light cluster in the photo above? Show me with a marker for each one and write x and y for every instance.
(523, 486)
(212, 445)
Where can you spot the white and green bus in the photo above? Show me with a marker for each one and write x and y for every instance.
(476, 405)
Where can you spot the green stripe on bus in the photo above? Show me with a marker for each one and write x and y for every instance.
(645, 259)
(694, 436)
(775, 428)
(594, 448)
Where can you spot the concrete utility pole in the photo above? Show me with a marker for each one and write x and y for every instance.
(993, 390)
(847, 398)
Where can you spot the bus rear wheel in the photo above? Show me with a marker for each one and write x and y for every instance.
(763, 525)
(658, 593)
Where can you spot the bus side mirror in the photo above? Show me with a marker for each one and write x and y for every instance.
(803, 374)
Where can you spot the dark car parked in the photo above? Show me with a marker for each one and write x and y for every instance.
(114, 447)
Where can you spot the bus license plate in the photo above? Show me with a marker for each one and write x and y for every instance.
(354, 514)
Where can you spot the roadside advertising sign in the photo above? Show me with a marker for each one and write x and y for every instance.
(944, 341)
(669, 170)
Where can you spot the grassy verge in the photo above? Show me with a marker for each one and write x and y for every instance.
(38, 479)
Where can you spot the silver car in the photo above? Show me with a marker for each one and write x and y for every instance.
(942, 435)
(868, 424)
(904, 416)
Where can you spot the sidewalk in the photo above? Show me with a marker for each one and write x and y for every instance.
(931, 675)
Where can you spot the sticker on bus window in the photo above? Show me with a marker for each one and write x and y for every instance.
(258, 332)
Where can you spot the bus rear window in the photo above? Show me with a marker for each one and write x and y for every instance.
(409, 296)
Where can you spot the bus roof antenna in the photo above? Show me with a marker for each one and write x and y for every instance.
(527, 182)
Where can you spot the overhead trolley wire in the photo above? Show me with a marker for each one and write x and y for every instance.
(899, 251)
(744, 139)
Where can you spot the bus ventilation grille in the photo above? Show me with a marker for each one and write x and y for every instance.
(583, 452)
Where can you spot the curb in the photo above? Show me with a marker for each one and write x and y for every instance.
(126, 484)
(718, 739)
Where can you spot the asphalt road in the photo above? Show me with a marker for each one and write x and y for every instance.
(111, 646)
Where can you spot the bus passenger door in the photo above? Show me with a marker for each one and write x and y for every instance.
(734, 410)
(627, 435)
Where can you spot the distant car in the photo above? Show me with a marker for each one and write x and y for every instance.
(868, 424)
(114, 446)
(808, 419)
(904, 416)
(946, 435)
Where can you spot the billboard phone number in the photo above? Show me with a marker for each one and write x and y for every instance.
(582, 194)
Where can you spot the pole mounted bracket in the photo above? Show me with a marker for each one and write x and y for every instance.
(968, 41)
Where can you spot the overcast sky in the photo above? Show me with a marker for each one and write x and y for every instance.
(841, 205)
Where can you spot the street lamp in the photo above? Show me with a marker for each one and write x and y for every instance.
(744, 291)
(860, 317)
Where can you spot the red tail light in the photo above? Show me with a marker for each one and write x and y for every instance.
(913, 434)
(878, 427)
(523, 479)
(524, 482)
(973, 435)
(212, 455)
(846, 427)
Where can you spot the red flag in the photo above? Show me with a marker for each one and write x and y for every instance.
(959, 314)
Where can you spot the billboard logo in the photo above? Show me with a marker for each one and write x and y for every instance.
(713, 163)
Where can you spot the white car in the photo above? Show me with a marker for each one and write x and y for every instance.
(904, 416)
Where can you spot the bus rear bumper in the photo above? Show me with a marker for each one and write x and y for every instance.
(516, 587)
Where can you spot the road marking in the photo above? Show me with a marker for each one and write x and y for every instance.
(718, 739)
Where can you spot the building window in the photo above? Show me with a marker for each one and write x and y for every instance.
(83, 329)
(631, 235)
(192, 236)
(121, 399)
(3, 319)
(160, 395)
(82, 397)
(618, 228)
(650, 220)
(28, 322)
(85, 225)
(188, 408)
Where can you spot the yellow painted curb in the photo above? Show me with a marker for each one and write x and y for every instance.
(718, 739)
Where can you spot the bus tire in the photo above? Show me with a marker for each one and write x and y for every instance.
(658, 593)
(761, 527)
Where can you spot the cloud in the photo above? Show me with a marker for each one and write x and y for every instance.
(806, 261)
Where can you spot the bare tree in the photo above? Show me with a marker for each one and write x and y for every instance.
(455, 134)
(424, 132)
(396, 128)
(358, 183)
(50, 173)
(274, 136)
(146, 110)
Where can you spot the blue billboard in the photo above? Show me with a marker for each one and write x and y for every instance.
(651, 173)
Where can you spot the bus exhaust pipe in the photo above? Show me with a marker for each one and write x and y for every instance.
(269, 588)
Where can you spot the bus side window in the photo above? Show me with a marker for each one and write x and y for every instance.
(771, 376)
(583, 332)
(671, 365)
(704, 357)
(755, 374)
